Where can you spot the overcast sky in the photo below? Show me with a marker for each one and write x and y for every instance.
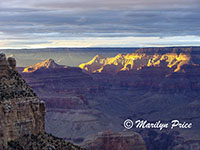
(99, 23)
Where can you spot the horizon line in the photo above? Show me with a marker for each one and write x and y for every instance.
(178, 46)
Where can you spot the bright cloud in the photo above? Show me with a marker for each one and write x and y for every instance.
(87, 23)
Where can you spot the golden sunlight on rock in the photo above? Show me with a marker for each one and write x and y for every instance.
(48, 63)
(135, 61)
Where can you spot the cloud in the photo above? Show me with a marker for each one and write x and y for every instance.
(62, 19)
(103, 4)
(107, 42)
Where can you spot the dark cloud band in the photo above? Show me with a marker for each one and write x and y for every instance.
(53, 19)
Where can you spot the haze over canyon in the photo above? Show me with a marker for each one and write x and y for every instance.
(88, 105)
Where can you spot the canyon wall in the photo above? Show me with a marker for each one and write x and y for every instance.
(21, 111)
(172, 58)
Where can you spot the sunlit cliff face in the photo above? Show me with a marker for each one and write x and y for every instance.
(49, 63)
(135, 61)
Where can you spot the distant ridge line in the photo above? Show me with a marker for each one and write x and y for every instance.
(74, 48)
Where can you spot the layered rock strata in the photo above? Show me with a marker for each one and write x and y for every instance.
(21, 111)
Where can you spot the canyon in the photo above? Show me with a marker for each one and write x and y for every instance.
(150, 83)
(22, 114)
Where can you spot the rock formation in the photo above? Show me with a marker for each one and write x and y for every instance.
(135, 61)
(47, 64)
(115, 141)
(48, 81)
(22, 114)
(41, 142)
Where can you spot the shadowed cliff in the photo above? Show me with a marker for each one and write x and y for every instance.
(22, 114)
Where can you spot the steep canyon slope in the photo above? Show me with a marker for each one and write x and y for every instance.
(66, 92)
(22, 114)
(151, 83)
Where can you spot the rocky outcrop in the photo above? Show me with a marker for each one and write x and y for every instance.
(22, 114)
(135, 61)
(115, 141)
(41, 142)
(47, 64)
(21, 111)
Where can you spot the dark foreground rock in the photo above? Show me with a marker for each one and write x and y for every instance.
(41, 142)
(22, 114)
